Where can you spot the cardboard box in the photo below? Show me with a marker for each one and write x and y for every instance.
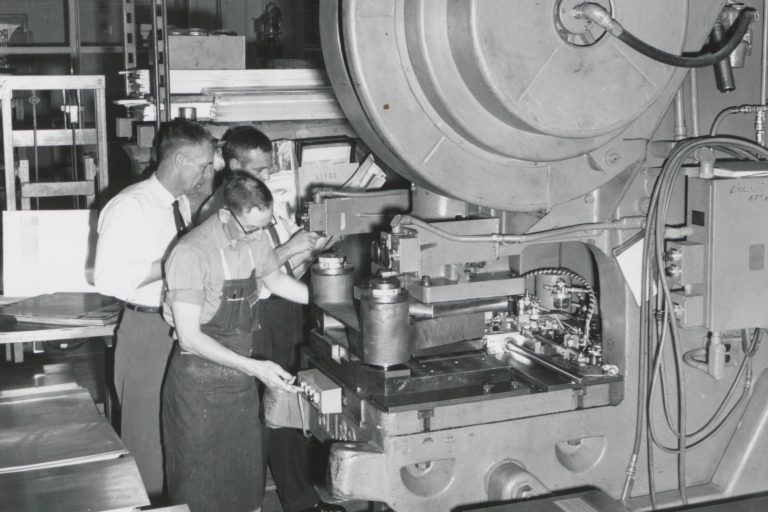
(206, 52)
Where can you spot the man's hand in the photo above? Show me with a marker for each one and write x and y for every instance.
(271, 374)
(302, 242)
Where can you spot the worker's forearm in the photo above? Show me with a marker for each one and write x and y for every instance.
(287, 287)
(283, 254)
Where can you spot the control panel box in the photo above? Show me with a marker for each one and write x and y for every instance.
(729, 217)
(320, 391)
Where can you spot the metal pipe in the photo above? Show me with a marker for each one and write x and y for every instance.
(681, 132)
(694, 102)
(630, 222)
(720, 116)
(764, 63)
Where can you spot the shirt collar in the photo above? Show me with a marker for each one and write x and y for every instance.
(221, 237)
(163, 194)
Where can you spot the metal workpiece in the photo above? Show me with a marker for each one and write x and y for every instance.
(332, 279)
(384, 323)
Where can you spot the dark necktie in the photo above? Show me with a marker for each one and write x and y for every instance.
(276, 243)
(181, 226)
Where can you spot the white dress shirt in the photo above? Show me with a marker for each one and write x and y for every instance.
(136, 228)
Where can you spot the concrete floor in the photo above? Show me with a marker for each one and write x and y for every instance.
(272, 502)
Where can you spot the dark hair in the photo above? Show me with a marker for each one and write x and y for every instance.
(240, 140)
(243, 192)
(179, 133)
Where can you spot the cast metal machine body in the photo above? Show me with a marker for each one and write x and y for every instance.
(495, 349)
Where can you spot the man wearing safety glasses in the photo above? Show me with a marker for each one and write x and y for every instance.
(213, 437)
(248, 150)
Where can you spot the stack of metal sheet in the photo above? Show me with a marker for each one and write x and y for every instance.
(57, 453)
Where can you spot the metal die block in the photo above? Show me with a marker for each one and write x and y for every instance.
(490, 284)
(321, 391)
(431, 332)
(400, 253)
(354, 215)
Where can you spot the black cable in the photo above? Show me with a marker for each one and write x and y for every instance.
(698, 60)
(653, 271)
(561, 271)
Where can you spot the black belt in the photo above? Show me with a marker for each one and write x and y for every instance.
(142, 309)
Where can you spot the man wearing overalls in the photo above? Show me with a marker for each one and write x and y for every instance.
(213, 437)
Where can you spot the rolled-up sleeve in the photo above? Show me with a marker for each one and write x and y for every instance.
(118, 268)
(185, 274)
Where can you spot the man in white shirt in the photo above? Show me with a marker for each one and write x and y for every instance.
(136, 230)
(282, 322)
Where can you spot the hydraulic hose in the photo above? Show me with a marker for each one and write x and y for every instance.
(597, 14)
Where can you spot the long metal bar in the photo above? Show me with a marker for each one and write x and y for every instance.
(156, 66)
(166, 61)
(58, 189)
(74, 35)
(101, 131)
(61, 50)
(764, 62)
(52, 82)
(6, 94)
(543, 362)
(62, 137)
(188, 81)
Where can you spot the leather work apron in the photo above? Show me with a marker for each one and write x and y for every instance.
(213, 436)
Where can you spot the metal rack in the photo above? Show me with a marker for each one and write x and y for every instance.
(95, 175)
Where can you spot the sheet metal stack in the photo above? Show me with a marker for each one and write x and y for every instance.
(57, 453)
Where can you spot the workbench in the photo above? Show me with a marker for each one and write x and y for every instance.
(14, 337)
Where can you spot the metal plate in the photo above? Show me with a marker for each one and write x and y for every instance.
(45, 430)
(96, 486)
(33, 380)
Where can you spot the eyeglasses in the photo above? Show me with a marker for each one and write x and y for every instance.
(251, 231)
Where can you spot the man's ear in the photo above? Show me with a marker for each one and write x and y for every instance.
(234, 164)
(180, 159)
(224, 215)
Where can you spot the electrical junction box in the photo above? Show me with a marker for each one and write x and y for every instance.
(729, 218)
(320, 391)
